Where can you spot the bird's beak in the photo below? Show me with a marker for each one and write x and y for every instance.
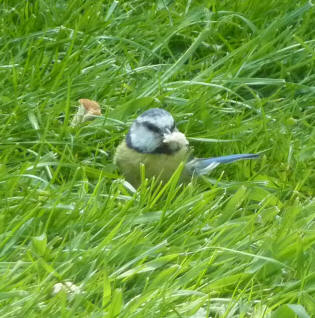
(167, 132)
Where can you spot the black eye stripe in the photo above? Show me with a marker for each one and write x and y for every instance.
(152, 127)
(155, 128)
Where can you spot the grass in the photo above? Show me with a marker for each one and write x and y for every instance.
(238, 76)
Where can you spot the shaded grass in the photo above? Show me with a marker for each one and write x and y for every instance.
(237, 244)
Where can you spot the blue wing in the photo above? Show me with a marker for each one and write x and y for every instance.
(202, 166)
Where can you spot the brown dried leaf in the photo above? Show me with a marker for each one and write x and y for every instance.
(91, 106)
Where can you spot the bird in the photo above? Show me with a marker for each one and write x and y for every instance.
(154, 141)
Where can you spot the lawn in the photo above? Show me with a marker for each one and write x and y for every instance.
(238, 77)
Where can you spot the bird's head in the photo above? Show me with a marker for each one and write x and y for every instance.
(154, 131)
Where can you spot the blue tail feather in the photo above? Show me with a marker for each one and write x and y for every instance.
(205, 165)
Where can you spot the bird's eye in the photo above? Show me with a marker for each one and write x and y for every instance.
(152, 127)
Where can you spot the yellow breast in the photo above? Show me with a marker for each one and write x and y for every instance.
(161, 166)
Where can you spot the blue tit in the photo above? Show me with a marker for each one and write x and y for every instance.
(154, 141)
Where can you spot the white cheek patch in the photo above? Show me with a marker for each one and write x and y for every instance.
(176, 141)
(144, 139)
